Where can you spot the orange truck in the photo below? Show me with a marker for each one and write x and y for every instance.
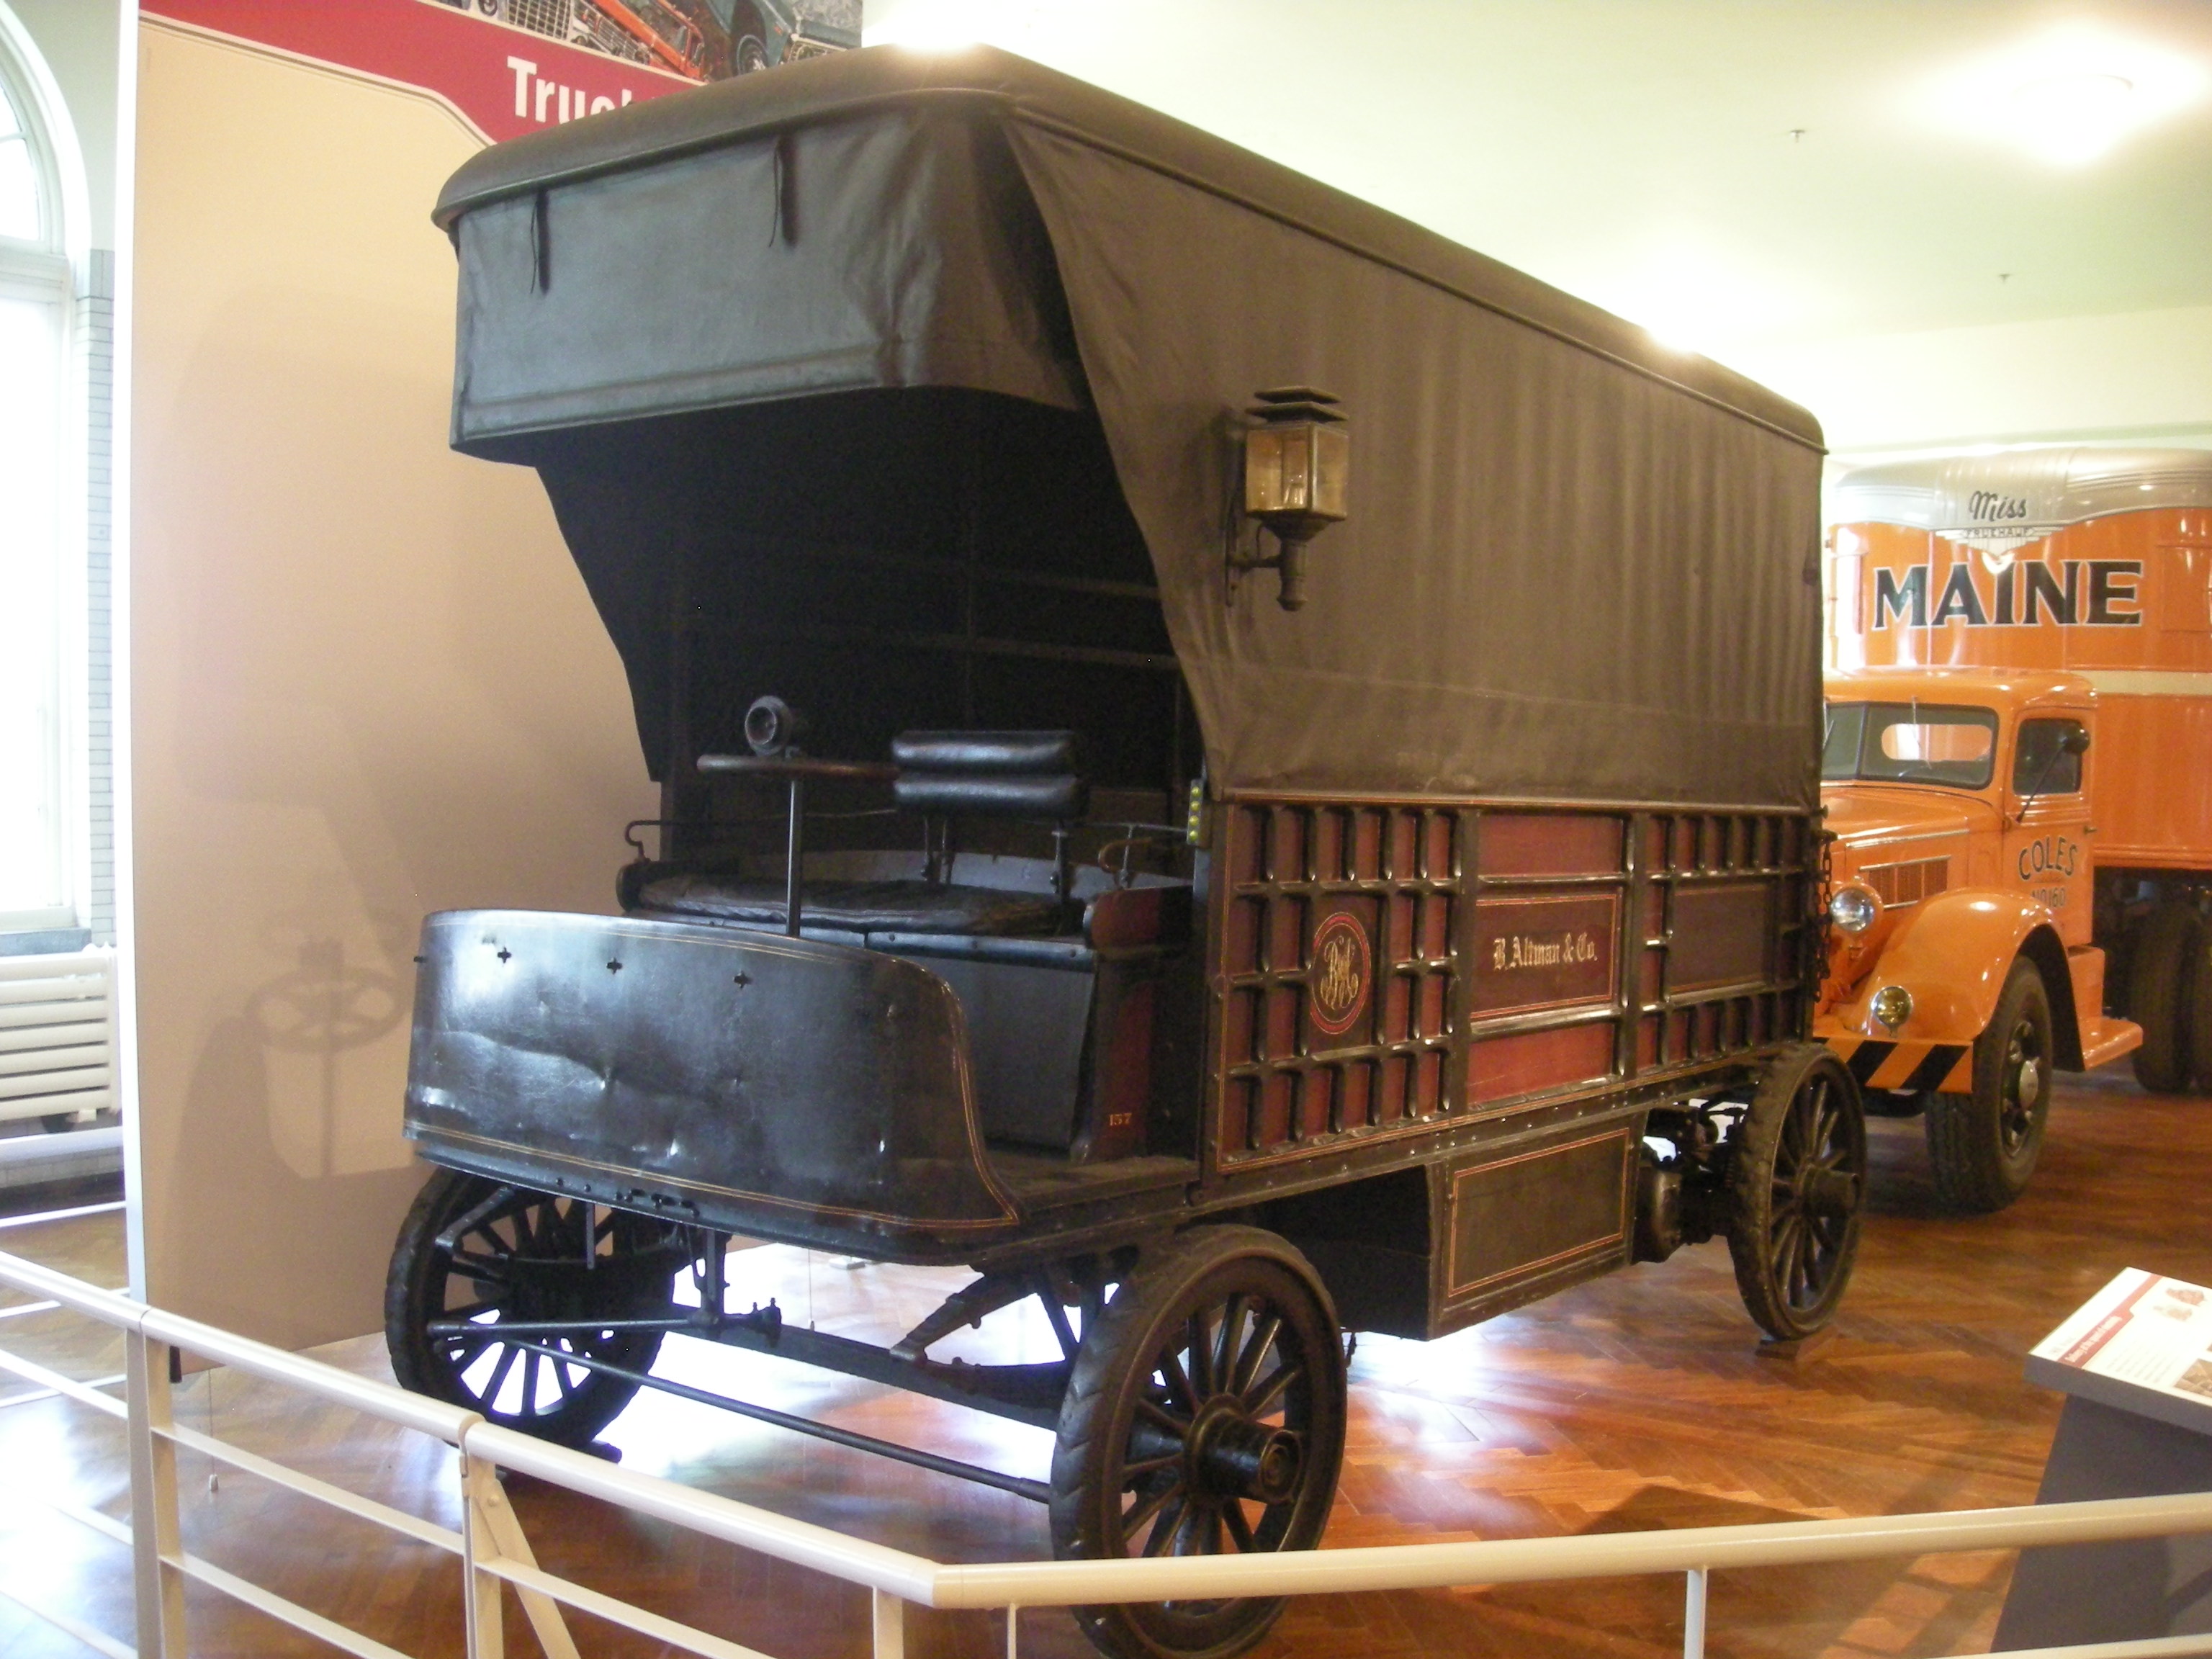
(2019, 780)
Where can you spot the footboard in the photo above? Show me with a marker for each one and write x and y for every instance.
(779, 1087)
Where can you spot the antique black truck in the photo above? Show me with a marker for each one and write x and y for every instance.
(1240, 769)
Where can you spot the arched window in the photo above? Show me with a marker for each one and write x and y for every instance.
(23, 212)
(41, 537)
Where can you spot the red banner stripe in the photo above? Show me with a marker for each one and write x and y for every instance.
(502, 80)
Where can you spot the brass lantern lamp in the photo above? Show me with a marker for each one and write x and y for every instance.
(1298, 473)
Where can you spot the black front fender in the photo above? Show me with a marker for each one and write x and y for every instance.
(769, 1085)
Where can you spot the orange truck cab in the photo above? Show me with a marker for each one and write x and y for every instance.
(2019, 779)
(1961, 968)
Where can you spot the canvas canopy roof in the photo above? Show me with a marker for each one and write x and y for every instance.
(733, 327)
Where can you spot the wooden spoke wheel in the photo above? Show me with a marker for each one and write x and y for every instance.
(518, 1255)
(1205, 1416)
(1796, 1185)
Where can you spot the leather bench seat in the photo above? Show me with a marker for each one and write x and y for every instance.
(860, 906)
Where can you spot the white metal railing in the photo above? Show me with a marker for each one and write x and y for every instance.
(56, 1033)
(491, 1545)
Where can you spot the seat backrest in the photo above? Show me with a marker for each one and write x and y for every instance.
(1022, 774)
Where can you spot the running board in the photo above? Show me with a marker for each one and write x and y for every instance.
(2107, 1040)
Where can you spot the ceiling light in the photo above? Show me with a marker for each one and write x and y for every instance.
(2066, 97)
(2074, 118)
(2086, 98)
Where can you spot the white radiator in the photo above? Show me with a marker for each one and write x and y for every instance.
(56, 1033)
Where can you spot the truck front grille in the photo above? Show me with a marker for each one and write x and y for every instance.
(1908, 883)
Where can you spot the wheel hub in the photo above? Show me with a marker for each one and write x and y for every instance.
(552, 1291)
(1831, 1193)
(1232, 1456)
(2030, 1089)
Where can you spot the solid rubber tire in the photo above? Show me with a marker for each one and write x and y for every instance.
(416, 1278)
(1750, 1167)
(1972, 1172)
(2161, 991)
(1133, 1321)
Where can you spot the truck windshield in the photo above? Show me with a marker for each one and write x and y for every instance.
(1910, 743)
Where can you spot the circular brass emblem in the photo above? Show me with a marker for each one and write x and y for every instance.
(1337, 984)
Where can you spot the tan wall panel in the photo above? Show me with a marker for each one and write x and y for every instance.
(367, 682)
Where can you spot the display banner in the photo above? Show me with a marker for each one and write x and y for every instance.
(508, 66)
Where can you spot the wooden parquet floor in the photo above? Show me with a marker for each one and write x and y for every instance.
(1636, 1402)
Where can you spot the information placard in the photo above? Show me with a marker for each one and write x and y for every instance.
(2144, 1343)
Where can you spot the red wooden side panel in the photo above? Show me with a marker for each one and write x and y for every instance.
(1548, 914)
(1337, 974)
(1387, 968)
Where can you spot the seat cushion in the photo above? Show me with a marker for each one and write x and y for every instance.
(863, 907)
(1026, 754)
(957, 793)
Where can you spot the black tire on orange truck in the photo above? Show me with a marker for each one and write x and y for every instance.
(1983, 1145)
(2162, 979)
(2200, 1018)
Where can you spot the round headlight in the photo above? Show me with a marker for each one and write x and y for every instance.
(1891, 1005)
(1853, 908)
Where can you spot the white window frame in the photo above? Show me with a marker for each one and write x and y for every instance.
(55, 269)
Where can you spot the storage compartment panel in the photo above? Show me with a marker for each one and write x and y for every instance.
(1534, 1217)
